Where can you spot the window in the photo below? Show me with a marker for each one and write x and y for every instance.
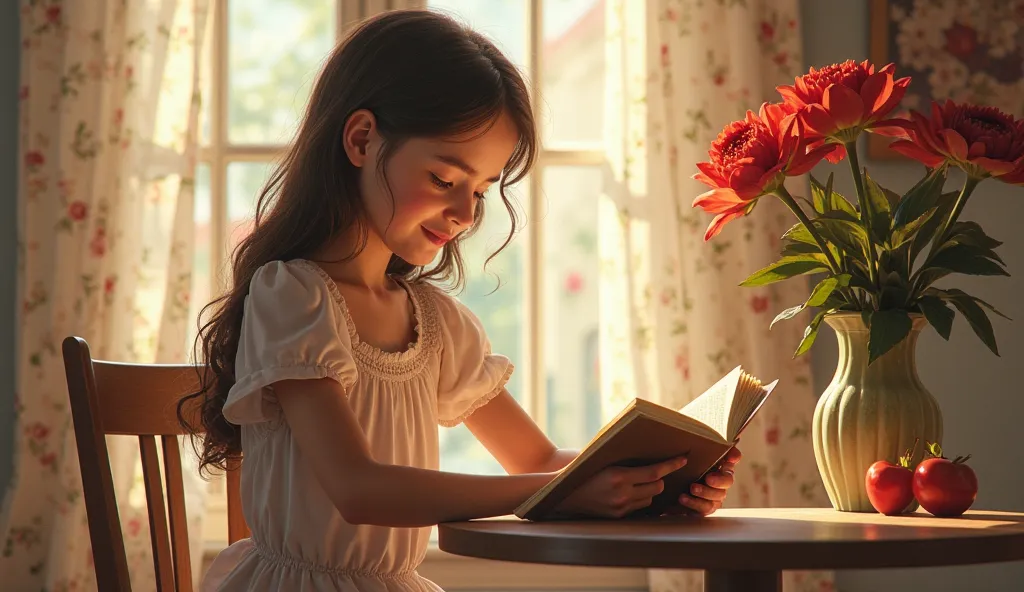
(264, 55)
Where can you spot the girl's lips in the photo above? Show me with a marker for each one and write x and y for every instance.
(436, 237)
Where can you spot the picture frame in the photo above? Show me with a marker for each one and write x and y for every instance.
(950, 51)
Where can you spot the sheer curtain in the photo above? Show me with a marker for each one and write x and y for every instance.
(108, 118)
(673, 319)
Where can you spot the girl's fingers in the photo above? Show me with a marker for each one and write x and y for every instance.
(699, 505)
(648, 490)
(719, 479)
(709, 493)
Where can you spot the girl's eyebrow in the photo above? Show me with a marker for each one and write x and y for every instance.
(458, 163)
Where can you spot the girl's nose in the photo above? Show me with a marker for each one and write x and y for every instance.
(461, 210)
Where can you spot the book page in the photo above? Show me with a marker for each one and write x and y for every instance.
(748, 403)
(713, 406)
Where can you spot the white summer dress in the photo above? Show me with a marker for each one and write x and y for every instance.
(296, 326)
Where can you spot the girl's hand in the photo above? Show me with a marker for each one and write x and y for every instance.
(706, 497)
(617, 491)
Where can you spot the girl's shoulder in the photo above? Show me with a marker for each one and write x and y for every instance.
(292, 278)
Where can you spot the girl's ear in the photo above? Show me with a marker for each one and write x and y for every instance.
(359, 135)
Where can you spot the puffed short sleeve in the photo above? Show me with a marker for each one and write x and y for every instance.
(291, 329)
(471, 375)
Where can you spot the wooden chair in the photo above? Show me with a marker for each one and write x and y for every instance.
(138, 400)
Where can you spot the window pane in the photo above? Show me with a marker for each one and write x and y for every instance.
(503, 21)
(570, 303)
(275, 51)
(573, 79)
(245, 181)
(201, 276)
(500, 311)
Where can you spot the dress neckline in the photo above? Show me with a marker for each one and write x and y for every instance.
(388, 362)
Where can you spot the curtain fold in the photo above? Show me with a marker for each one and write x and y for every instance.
(107, 141)
(673, 318)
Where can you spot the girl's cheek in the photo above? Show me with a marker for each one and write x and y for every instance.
(418, 202)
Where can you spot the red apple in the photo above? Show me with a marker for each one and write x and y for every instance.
(890, 486)
(945, 487)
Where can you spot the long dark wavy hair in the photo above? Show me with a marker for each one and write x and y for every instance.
(423, 75)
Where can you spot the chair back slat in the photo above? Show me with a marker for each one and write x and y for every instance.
(143, 398)
(112, 398)
(176, 511)
(162, 563)
(111, 566)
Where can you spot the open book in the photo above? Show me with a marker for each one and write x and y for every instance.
(646, 433)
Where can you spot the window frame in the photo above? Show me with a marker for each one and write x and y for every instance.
(448, 571)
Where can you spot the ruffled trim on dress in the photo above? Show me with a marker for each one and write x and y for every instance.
(393, 366)
(480, 402)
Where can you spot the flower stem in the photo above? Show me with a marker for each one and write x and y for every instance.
(969, 185)
(790, 202)
(865, 210)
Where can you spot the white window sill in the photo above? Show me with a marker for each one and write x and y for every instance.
(455, 572)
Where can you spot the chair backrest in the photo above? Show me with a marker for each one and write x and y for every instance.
(110, 398)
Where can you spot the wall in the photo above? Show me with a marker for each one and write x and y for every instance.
(9, 60)
(978, 392)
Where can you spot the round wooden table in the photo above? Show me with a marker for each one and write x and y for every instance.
(747, 549)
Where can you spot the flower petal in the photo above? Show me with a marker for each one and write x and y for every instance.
(844, 105)
(896, 127)
(818, 120)
(709, 175)
(956, 146)
(746, 181)
(994, 167)
(876, 91)
(977, 149)
(718, 200)
(916, 152)
(720, 221)
(837, 154)
(899, 88)
(806, 162)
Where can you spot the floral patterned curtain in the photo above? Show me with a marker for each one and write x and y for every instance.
(674, 319)
(108, 118)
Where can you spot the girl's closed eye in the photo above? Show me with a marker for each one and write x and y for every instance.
(442, 184)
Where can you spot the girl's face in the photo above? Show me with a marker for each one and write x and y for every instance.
(436, 183)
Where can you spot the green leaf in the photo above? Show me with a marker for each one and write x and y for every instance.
(786, 315)
(955, 293)
(905, 233)
(893, 297)
(825, 287)
(977, 319)
(943, 208)
(920, 198)
(810, 334)
(794, 248)
(849, 236)
(881, 220)
(938, 314)
(966, 259)
(821, 195)
(888, 328)
(970, 233)
(784, 268)
(799, 233)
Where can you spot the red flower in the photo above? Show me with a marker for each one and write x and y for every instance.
(961, 40)
(847, 97)
(983, 141)
(751, 158)
(98, 245)
(48, 459)
(771, 436)
(109, 284)
(34, 158)
(53, 14)
(759, 304)
(574, 283)
(77, 210)
(767, 30)
(38, 431)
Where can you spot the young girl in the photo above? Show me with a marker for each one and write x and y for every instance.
(334, 357)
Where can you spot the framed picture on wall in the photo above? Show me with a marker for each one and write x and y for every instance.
(970, 51)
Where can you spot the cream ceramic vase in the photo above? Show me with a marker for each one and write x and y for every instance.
(870, 413)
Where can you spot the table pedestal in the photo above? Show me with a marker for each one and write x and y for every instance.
(742, 581)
